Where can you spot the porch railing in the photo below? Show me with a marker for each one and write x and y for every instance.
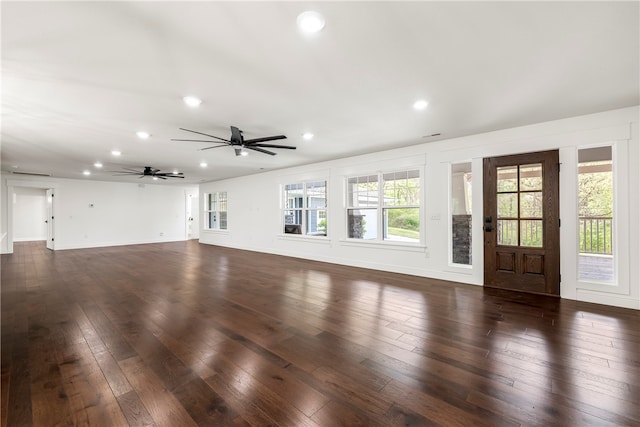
(596, 234)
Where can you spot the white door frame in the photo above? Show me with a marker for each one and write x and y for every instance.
(50, 216)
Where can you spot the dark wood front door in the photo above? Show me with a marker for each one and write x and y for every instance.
(521, 222)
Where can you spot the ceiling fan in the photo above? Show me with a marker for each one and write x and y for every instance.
(149, 171)
(239, 144)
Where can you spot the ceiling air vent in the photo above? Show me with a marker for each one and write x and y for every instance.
(30, 173)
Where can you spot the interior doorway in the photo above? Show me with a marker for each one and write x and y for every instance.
(192, 215)
(30, 207)
(14, 187)
(521, 222)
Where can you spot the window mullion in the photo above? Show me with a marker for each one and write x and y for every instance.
(304, 209)
(380, 207)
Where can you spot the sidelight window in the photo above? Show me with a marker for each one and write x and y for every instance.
(461, 185)
(596, 215)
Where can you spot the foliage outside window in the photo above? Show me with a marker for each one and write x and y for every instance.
(384, 206)
(305, 208)
(216, 210)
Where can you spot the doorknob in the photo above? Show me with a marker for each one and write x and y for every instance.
(46, 221)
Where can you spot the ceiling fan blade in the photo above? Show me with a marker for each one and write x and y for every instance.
(205, 134)
(250, 147)
(131, 170)
(169, 175)
(264, 139)
(215, 146)
(125, 173)
(288, 147)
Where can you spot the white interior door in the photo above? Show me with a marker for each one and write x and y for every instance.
(49, 220)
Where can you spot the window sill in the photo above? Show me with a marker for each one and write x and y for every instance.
(305, 238)
(601, 286)
(397, 246)
(214, 231)
(461, 267)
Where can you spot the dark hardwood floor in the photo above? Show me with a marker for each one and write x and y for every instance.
(182, 334)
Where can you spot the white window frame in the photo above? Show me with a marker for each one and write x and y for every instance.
(304, 209)
(381, 208)
(223, 206)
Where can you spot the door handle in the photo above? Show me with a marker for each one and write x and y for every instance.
(46, 221)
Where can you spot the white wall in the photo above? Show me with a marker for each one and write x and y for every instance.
(93, 213)
(255, 216)
(30, 214)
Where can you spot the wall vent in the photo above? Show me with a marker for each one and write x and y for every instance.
(30, 173)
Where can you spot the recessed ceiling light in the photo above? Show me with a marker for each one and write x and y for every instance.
(203, 164)
(421, 104)
(307, 135)
(86, 173)
(116, 153)
(97, 164)
(175, 172)
(143, 135)
(310, 22)
(244, 152)
(155, 178)
(192, 101)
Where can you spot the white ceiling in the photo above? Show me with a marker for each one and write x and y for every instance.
(80, 78)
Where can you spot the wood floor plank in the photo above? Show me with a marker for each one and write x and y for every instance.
(164, 408)
(183, 334)
(277, 378)
(134, 410)
(339, 415)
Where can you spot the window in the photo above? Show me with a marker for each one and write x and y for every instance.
(595, 215)
(384, 206)
(461, 213)
(216, 210)
(305, 208)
